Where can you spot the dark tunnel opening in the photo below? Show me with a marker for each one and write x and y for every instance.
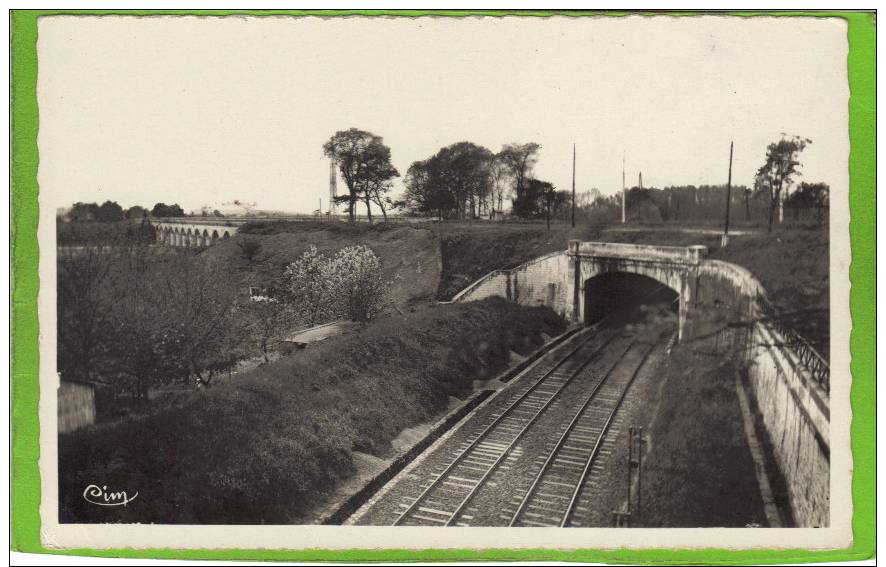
(625, 294)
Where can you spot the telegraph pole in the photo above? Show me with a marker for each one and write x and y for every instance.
(573, 185)
(623, 191)
(725, 240)
(333, 189)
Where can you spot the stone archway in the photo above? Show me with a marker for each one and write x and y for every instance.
(611, 291)
(675, 267)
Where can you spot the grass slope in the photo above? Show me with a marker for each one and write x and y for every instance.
(698, 471)
(410, 257)
(272, 443)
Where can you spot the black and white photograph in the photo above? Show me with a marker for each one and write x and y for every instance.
(352, 273)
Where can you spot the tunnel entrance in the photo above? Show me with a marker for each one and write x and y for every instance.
(621, 292)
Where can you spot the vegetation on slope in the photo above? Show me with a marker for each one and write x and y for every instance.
(410, 257)
(267, 446)
(698, 471)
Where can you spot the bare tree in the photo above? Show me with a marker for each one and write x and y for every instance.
(84, 310)
(269, 317)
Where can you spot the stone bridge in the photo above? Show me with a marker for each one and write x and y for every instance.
(723, 309)
(589, 263)
(194, 233)
(569, 281)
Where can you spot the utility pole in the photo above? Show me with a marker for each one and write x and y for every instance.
(333, 190)
(573, 185)
(725, 240)
(623, 191)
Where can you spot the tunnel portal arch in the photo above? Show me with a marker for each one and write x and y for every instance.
(675, 267)
(610, 291)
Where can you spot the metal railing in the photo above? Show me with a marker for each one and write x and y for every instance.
(814, 362)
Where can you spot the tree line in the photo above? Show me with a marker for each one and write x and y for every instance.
(466, 181)
(461, 181)
(111, 211)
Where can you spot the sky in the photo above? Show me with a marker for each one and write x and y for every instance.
(202, 111)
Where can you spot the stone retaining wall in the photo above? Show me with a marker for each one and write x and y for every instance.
(542, 281)
(796, 415)
(795, 409)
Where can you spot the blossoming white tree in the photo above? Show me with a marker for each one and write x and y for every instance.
(309, 287)
(359, 287)
(348, 285)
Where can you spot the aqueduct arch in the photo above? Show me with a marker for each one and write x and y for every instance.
(192, 233)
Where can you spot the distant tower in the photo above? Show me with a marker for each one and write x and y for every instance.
(333, 190)
(623, 189)
(641, 180)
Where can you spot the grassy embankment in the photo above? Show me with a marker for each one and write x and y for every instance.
(410, 257)
(271, 444)
(698, 470)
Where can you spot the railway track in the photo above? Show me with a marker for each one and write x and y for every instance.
(446, 497)
(443, 498)
(552, 499)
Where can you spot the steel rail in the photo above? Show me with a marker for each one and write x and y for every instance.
(526, 427)
(458, 458)
(593, 456)
(562, 441)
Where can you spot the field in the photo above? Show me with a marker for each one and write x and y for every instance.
(271, 444)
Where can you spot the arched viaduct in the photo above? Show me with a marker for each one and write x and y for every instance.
(193, 234)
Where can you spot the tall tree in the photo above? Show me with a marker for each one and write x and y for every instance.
(364, 162)
(84, 311)
(520, 160)
(426, 193)
(82, 212)
(456, 181)
(136, 212)
(537, 200)
(379, 185)
(500, 174)
(777, 172)
(465, 170)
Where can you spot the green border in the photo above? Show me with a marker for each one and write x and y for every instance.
(25, 284)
